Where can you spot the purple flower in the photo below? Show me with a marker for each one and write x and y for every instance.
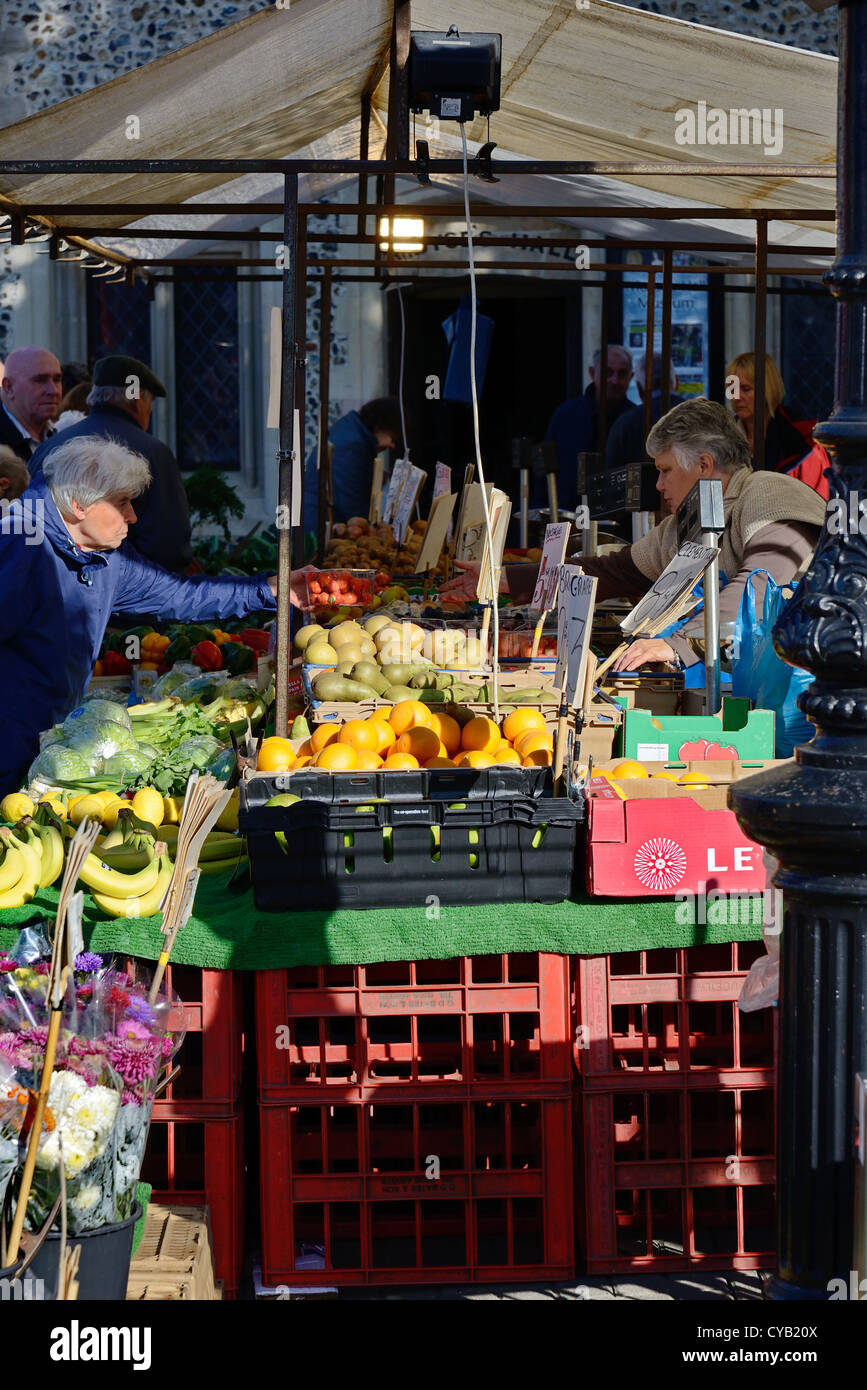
(131, 1098)
(140, 1010)
(88, 960)
(135, 1061)
(168, 1046)
(42, 967)
(129, 1028)
(7, 967)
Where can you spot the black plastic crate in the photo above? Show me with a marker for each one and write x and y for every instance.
(463, 836)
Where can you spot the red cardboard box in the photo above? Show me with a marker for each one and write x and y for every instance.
(638, 848)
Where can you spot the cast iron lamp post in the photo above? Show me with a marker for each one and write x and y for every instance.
(812, 814)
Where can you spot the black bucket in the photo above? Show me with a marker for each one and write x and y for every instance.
(103, 1267)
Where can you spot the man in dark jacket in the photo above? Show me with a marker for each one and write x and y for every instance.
(65, 567)
(121, 401)
(625, 443)
(29, 399)
(575, 425)
(357, 438)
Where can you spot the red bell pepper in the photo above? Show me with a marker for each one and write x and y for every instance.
(254, 637)
(115, 664)
(207, 655)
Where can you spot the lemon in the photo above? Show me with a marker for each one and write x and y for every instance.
(228, 818)
(147, 804)
(172, 809)
(628, 768)
(16, 805)
(54, 804)
(86, 807)
(111, 804)
(665, 776)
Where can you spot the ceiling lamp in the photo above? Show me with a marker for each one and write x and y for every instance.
(402, 234)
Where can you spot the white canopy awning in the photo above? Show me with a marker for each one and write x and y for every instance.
(605, 83)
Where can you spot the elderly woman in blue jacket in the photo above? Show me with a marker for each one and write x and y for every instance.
(65, 567)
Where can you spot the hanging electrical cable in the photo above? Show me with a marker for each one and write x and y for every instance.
(494, 564)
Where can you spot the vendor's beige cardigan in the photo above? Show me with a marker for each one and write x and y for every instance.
(751, 501)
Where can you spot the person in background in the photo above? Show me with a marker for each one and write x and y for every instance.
(74, 374)
(772, 522)
(357, 438)
(73, 407)
(14, 477)
(575, 425)
(56, 596)
(625, 443)
(789, 446)
(29, 399)
(121, 400)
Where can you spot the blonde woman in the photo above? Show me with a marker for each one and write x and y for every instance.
(789, 446)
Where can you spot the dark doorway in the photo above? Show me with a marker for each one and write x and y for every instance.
(533, 366)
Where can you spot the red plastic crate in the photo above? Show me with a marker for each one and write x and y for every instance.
(353, 1189)
(641, 1016)
(211, 1055)
(479, 1024)
(200, 1162)
(676, 1179)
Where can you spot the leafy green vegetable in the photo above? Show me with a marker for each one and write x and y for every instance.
(59, 764)
(93, 711)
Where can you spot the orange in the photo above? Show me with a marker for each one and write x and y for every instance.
(475, 758)
(360, 735)
(337, 757)
(504, 754)
(481, 735)
(440, 762)
(384, 732)
(368, 761)
(448, 729)
(529, 742)
(630, 768)
(540, 757)
(304, 750)
(275, 755)
(400, 762)
(407, 714)
(303, 759)
(322, 735)
(522, 721)
(422, 742)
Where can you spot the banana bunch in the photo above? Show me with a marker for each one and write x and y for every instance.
(128, 891)
(32, 859)
(221, 852)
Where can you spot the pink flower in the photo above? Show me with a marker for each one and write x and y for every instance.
(128, 1028)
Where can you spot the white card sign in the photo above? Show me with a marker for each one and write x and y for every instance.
(671, 592)
(576, 598)
(553, 555)
(395, 484)
(442, 481)
(406, 501)
(435, 532)
(275, 358)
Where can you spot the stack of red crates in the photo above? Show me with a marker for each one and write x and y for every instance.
(415, 1121)
(675, 1112)
(195, 1152)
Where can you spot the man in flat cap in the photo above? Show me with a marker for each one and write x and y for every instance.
(120, 401)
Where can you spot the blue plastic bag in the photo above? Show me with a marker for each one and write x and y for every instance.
(694, 674)
(760, 675)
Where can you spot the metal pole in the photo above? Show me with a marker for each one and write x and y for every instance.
(301, 361)
(525, 507)
(284, 456)
(810, 812)
(648, 350)
(665, 380)
(760, 342)
(711, 628)
(325, 496)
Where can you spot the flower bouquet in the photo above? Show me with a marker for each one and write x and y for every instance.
(112, 1050)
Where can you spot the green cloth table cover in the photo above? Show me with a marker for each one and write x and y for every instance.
(228, 933)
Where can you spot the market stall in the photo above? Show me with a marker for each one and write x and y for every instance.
(429, 953)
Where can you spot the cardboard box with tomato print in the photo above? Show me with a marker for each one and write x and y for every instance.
(637, 848)
(738, 733)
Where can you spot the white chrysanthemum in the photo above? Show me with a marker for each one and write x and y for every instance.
(66, 1087)
(96, 1110)
(78, 1154)
(48, 1153)
(87, 1198)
